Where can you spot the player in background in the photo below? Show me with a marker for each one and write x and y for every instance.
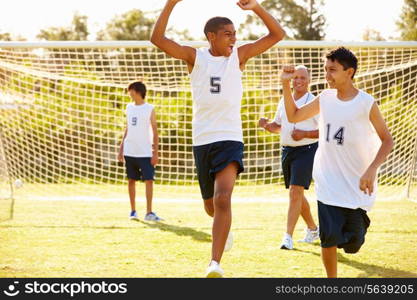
(299, 144)
(139, 147)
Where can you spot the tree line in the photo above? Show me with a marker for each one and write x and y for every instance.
(302, 19)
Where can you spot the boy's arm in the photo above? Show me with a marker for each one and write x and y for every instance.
(155, 145)
(298, 134)
(276, 33)
(270, 127)
(120, 155)
(170, 47)
(295, 114)
(366, 183)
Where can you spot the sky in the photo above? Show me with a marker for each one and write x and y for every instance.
(346, 22)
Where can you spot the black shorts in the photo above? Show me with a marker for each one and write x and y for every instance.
(297, 164)
(212, 158)
(342, 227)
(139, 168)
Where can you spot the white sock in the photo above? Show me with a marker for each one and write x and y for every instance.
(213, 262)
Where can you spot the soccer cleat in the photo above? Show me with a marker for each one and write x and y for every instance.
(229, 242)
(133, 215)
(152, 217)
(214, 270)
(287, 242)
(311, 235)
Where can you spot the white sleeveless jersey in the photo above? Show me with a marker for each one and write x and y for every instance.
(287, 127)
(216, 83)
(139, 138)
(348, 144)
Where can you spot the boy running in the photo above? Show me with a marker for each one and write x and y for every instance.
(216, 81)
(348, 156)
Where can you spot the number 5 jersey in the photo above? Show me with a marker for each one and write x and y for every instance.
(216, 83)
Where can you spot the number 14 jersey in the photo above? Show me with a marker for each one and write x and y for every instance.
(348, 144)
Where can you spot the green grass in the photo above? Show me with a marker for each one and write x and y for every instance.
(95, 239)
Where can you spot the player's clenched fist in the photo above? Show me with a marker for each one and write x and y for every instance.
(247, 4)
(287, 73)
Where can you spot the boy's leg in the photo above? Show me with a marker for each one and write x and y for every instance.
(132, 193)
(205, 180)
(294, 208)
(147, 173)
(149, 195)
(223, 188)
(209, 207)
(329, 257)
(357, 223)
(332, 221)
(306, 214)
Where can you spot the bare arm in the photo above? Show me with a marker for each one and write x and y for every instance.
(120, 155)
(270, 127)
(155, 145)
(170, 47)
(367, 180)
(298, 134)
(276, 33)
(295, 114)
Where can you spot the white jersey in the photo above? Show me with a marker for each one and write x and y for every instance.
(287, 127)
(348, 144)
(216, 83)
(138, 141)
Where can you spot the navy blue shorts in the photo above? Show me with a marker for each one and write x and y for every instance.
(212, 158)
(139, 168)
(297, 164)
(342, 227)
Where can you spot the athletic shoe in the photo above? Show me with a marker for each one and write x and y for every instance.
(311, 236)
(152, 217)
(214, 270)
(229, 242)
(287, 242)
(133, 215)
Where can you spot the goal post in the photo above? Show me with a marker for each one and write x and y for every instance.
(6, 187)
(62, 114)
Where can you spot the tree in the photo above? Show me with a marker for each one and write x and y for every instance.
(302, 20)
(134, 25)
(372, 35)
(407, 24)
(5, 36)
(77, 31)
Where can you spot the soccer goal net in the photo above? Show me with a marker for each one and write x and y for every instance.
(62, 116)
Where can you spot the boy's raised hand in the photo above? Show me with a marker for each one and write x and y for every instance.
(247, 4)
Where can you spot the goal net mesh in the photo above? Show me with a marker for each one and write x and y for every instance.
(62, 115)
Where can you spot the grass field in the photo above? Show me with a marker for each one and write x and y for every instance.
(96, 239)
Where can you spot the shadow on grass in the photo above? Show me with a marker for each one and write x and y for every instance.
(368, 270)
(179, 230)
